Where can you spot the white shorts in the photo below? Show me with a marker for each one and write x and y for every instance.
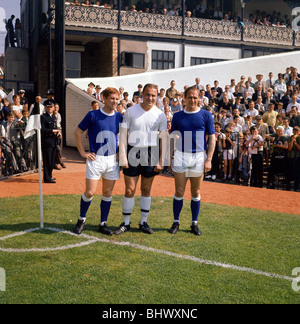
(190, 163)
(103, 167)
(228, 154)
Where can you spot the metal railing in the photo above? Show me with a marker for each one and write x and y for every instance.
(96, 18)
(17, 156)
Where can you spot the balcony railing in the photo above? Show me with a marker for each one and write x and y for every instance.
(164, 25)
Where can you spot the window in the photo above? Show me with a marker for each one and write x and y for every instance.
(73, 64)
(163, 60)
(134, 60)
(201, 60)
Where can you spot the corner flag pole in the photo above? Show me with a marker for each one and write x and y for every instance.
(39, 149)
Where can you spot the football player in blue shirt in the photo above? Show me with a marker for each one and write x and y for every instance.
(193, 135)
(101, 161)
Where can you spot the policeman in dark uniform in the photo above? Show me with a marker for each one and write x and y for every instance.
(50, 135)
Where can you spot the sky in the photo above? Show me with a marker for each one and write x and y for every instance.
(7, 8)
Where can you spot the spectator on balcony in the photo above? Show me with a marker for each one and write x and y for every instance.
(75, 3)
(174, 11)
(218, 14)
(200, 10)
(226, 18)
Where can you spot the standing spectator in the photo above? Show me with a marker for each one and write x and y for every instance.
(256, 146)
(138, 93)
(228, 154)
(4, 110)
(294, 149)
(198, 84)
(50, 134)
(11, 31)
(244, 164)
(269, 117)
(294, 117)
(23, 99)
(160, 98)
(261, 82)
(18, 32)
(97, 93)
(218, 88)
(59, 144)
(251, 111)
(279, 155)
(280, 88)
(17, 107)
(172, 92)
(294, 103)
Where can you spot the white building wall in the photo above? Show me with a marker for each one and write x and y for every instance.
(212, 52)
(78, 102)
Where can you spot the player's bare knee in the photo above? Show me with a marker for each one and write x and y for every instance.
(89, 194)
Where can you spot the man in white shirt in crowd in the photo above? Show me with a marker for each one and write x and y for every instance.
(288, 130)
(293, 103)
(251, 111)
(280, 88)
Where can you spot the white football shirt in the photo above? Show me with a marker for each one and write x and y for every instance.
(144, 126)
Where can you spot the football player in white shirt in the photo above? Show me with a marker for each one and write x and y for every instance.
(141, 154)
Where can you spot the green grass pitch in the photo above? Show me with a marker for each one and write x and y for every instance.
(105, 273)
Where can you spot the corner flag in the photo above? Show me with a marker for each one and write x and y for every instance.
(34, 124)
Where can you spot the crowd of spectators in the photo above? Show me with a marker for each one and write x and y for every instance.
(17, 154)
(257, 125)
(274, 19)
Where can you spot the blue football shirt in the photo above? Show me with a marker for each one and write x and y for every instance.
(103, 130)
(192, 129)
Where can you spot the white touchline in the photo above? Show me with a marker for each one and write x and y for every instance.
(93, 239)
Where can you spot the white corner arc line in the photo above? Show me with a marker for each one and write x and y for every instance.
(93, 239)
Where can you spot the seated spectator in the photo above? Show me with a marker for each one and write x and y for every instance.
(280, 88)
(281, 111)
(294, 117)
(294, 103)
(259, 106)
(269, 117)
(251, 111)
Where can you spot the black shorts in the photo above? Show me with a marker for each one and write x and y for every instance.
(142, 161)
